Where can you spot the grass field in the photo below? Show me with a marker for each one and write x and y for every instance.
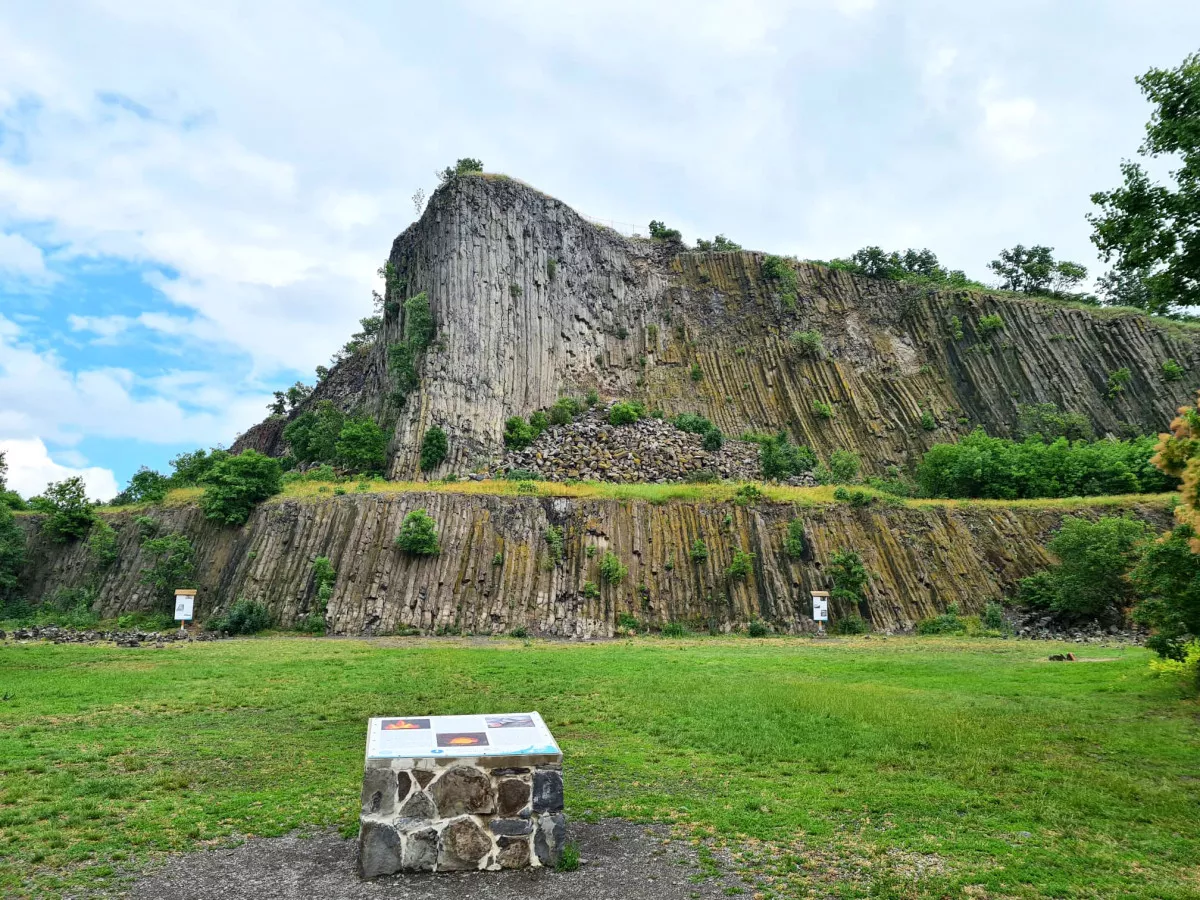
(857, 767)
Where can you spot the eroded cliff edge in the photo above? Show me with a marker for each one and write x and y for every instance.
(492, 574)
(532, 301)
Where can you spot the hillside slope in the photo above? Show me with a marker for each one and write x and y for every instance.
(531, 301)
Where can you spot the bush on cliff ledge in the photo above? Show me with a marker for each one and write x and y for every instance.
(237, 483)
(418, 534)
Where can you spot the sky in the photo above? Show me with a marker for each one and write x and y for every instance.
(194, 198)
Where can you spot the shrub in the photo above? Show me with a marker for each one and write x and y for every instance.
(590, 590)
(418, 534)
(713, 440)
(518, 434)
(361, 446)
(172, 562)
(147, 526)
(851, 624)
(843, 466)
(1167, 578)
(519, 632)
(433, 448)
(244, 617)
(611, 569)
(849, 576)
(742, 564)
(102, 544)
(1044, 422)
(12, 556)
(557, 542)
(313, 435)
(928, 422)
(993, 617)
(779, 459)
(781, 275)
(69, 515)
(1118, 381)
(822, 410)
(625, 412)
(629, 622)
(324, 578)
(757, 629)
(702, 476)
(699, 551)
(661, 232)
(498, 559)
(1094, 559)
(697, 372)
(464, 166)
(748, 494)
(956, 329)
(793, 543)
(857, 498)
(190, 468)
(948, 622)
(989, 324)
(675, 630)
(807, 343)
(1171, 370)
(564, 410)
(551, 268)
(235, 484)
(987, 467)
(692, 423)
(146, 486)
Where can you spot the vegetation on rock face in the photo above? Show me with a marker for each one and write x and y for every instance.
(612, 570)
(699, 551)
(794, 542)
(917, 266)
(464, 166)
(244, 617)
(404, 355)
(1035, 271)
(980, 466)
(1044, 422)
(172, 564)
(660, 232)
(780, 274)
(236, 484)
(102, 544)
(719, 244)
(68, 514)
(361, 446)
(625, 412)
(741, 565)
(849, 577)
(1090, 577)
(807, 343)
(779, 459)
(434, 448)
(324, 578)
(145, 486)
(1149, 231)
(418, 534)
(695, 424)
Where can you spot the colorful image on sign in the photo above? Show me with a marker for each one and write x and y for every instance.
(405, 724)
(463, 739)
(509, 721)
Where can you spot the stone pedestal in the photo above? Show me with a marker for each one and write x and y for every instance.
(454, 793)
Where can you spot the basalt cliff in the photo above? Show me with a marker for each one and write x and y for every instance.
(531, 302)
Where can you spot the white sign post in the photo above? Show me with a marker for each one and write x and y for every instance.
(820, 600)
(185, 601)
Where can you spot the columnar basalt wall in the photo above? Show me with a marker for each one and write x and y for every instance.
(495, 572)
(532, 301)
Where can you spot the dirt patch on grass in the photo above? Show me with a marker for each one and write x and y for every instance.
(622, 860)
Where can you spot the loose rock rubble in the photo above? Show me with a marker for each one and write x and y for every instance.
(1044, 628)
(649, 450)
(120, 638)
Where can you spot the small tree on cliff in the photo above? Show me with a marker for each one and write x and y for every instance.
(237, 483)
(418, 534)
(434, 448)
(69, 515)
(464, 166)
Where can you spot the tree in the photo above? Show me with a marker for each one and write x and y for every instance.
(190, 468)
(1034, 270)
(1178, 453)
(145, 486)
(660, 232)
(1151, 232)
(8, 499)
(849, 576)
(172, 561)
(418, 534)
(720, 244)
(69, 515)
(313, 435)
(237, 483)
(12, 554)
(464, 166)
(433, 449)
(1168, 581)
(361, 445)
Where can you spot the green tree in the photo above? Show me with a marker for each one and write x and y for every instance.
(189, 469)
(780, 459)
(69, 515)
(102, 544)
(145, 486)
(313, 435)
(418, 534)
(1151, 232)
(8, 499)
(1034, 270)
(464, 166)
(434, 448)
(361, 445)
(235, 484)
(794, 542)
(12, 555)
(172, 562)
(1090, 577)
(1167, 580)
(849, 576)
(661, 232)
(612, 570)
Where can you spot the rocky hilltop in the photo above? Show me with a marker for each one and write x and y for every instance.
(531, 302)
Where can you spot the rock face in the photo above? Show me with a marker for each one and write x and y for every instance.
(531, 301)
(648, 450)
(494, 575)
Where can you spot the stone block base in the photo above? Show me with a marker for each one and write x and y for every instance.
(461, 815)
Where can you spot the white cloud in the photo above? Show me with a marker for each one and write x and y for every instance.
(20, 257)
(1013, 128)
(30, 469)
(106, 328)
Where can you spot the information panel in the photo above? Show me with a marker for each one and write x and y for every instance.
(505, 734)
(184, 603)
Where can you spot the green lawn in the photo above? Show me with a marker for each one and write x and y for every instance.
(865, 767)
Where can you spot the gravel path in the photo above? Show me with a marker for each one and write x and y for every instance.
(623, 862)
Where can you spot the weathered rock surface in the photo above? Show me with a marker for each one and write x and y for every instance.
(920, 559)
(648, 450)
(631, 318)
